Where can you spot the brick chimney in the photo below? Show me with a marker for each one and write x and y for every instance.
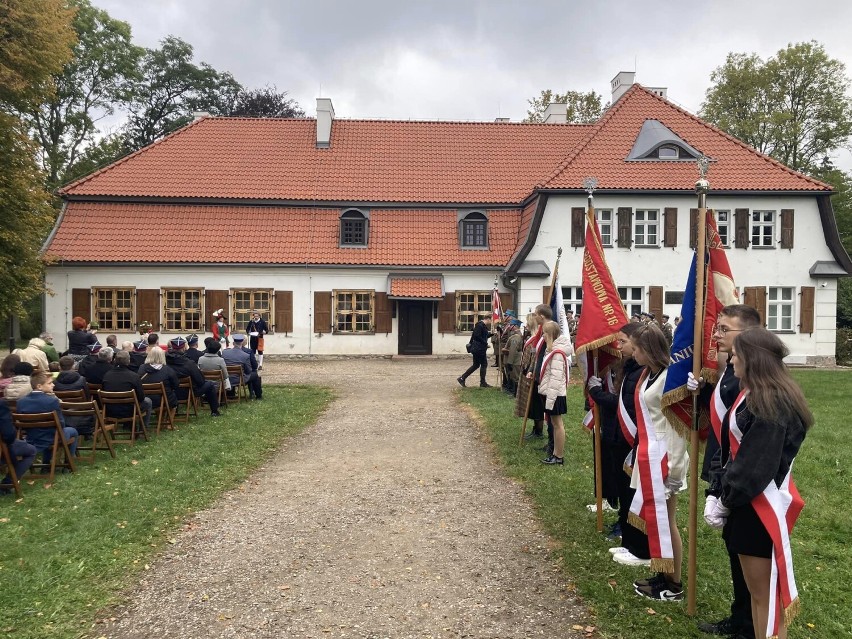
(325, 116)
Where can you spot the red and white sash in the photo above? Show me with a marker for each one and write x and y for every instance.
(534, 339)
(549, 356)
(717, 411)
(628, 426)
(778, 508)
(648, 511)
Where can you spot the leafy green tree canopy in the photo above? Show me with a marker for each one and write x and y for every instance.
(583, 108)
(267, 102)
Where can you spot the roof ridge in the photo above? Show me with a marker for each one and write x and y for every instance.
(64, 190)
(401, 121)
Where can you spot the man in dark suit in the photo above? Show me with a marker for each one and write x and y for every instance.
(42, 400)
(94, 373)
(137, 357)
(184, 367)
(192, 352)
(121, 379)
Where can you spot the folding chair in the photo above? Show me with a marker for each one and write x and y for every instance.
(93, 392)
(186, 397)
(89, 409)
(218, 377)
(6, 458)
(127, 399)
(78, 395)
(165, 413)
(241, 390)
(29, 421)
(12, 404)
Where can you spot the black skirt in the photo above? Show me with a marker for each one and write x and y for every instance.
(745, 534)
(560, 406)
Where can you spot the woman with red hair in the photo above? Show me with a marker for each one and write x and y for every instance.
(79, 339)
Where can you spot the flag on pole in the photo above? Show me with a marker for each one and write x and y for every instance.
(496, 307)
(721, 292)
(557, 307)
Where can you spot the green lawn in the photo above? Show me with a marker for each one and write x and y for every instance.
(70, 549)
(820, 541)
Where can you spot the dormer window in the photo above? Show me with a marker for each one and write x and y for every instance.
(668, 152)
(658, 142)
(354, 228)
(473, 229)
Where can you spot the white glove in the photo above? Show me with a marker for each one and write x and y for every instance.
(595, 382)
(715, 514)
(693, 384)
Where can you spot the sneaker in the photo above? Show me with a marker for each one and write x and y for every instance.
(665, 591)
(460, 380)
(659, 578)
(627, 558)
(484, 385)
(216, 414)
(605, 507)
(533, 435)
(614, 532)
(553, 460)
(617, 549)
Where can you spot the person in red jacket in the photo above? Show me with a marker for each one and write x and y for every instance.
(221, 332)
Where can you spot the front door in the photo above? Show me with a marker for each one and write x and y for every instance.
(415, 327)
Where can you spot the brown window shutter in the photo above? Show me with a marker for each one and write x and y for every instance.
(545, 294)
(578, 230)
(81, 303)
(806, 310)
(625, 226)
(755, 296)
(693, 228)
(322, 312)
(508, 301)
(214, 300)
(148, 306)
(670, 235)
(283, 312)
(383, 323)
(741, 220)
(655, 302)
(447, 314)
(786, 228)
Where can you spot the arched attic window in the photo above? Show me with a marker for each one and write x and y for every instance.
(354, 227)
(656, 141)
(473, 229)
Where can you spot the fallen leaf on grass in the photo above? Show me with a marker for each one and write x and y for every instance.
(576, 626)
(133, 461)
(651, 611)
(4, 520)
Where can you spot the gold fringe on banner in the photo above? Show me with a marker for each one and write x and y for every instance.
(792, 611)
(637, 522)
(661, 564)
(710, 375)
(598, 343)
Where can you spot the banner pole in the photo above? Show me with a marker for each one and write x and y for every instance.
(598, 469)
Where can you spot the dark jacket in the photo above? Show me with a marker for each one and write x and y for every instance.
(137, 361)
(119, 379)
(730, 390)
(150, 375)
(86, 363)
(7, 427)
(632, 373)
(185, 367)
(479, 338)
(70, 380)
(193, 354)
(95, 373)
(39, 402)
(78, 342)
(608, 405)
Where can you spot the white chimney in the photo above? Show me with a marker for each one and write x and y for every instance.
(556, 113)
(662, 92)
(621, 83)
(325, 116)
(199, 115)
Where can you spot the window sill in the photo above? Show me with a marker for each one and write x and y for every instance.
(782, 331)
(474, 248)
(763, 248)
(353, 332)
(646, 246)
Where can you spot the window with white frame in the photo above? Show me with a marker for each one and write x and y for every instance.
(471, 306)
(353, 311)
(572, 298)
(723, 224)
(763, 229)
(604, 218)
(631, 297)
(779, 308)
(646, 225)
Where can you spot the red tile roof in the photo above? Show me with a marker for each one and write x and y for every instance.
(151, 233)
(416, 288)
(735, 166)
(368, 161)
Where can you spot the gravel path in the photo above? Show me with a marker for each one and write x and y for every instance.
(388, 518)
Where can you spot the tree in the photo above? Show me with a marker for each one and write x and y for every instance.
(87, 90)
(171, 88)
(96, 156)
(266, 103)
(793, 106)
(583, 108)
(35, 42)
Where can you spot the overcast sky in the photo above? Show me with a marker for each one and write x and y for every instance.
(478, 59)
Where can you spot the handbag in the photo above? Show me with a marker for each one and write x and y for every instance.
(469, 347)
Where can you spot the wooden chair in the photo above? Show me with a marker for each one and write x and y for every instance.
(165, 413)
(186, 397)
(12, 404)
(93, 392)
(101, 431)
(6, 458)
(78, 395)
(127, 399)
(218, 377)
(241, 390)
(29, 421)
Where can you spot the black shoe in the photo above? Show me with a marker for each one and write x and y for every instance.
(533, 435)
(216, 414)
(460, 380)
(661, 591)
(485, 385)
(553, 460)
(725, 627)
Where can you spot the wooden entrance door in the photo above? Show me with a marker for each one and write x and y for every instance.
(415, 327)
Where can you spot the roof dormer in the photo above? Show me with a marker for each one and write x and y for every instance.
(656, 141)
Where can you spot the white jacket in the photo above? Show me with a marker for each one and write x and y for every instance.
(554, 373)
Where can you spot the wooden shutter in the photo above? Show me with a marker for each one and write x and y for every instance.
(283, 312)
(693, 228)
(322, 312)
(545, 294)
(508, 301)
(447, 314)
(655, 302)
(625, 226)
(741, 222)
(148, 307)
(578, 227)
(81, 303)
(786, 228)
(382, 312)
(214, 300)
(806, 310)
(755, 296)
(670, 234)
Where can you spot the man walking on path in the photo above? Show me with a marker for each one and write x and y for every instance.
(478, 347)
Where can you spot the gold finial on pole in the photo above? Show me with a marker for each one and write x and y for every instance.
(589, 185)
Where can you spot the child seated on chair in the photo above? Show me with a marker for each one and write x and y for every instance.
(42, 400)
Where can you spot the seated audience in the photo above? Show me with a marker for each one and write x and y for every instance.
(42, 400)
(17, 448)
(185, 367)
(34, 355)
(20, 384)
(94, 373)
(237, 356)
(69, 380)
(121, 379)
(112, 342)
(155, 370)
(89, 360)
(192, 351)
(49, 349)
(139, 355)
(79, 339)
(212, 360)
(6, 370)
